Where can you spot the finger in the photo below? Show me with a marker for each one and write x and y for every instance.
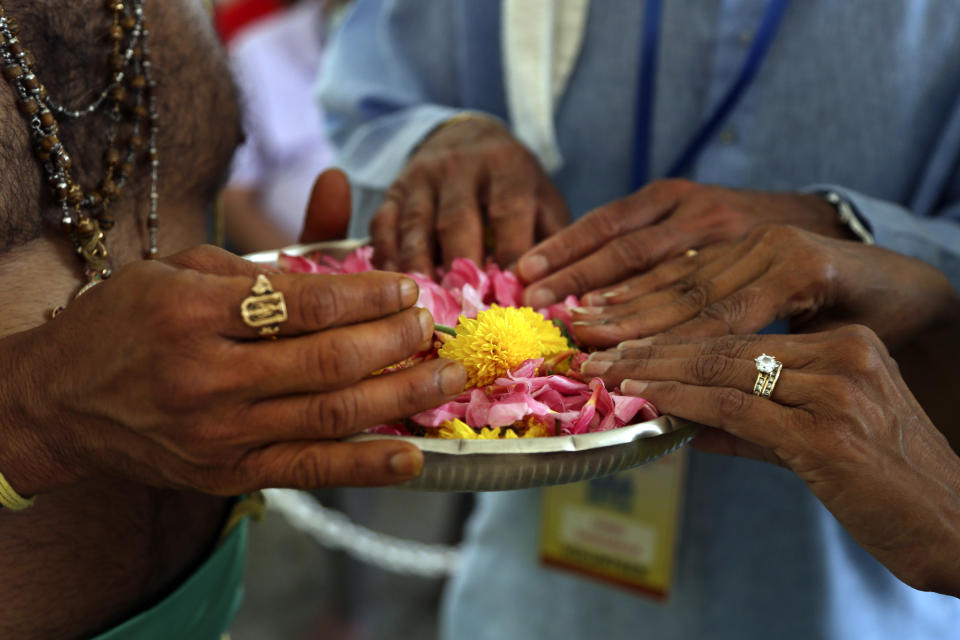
(417, 229)
(742, 298)
(711, 440)
(215, 261)
(706, 370)
(384, 230)
(512, 213)
(758, 420)
(553, 215)
(600, 226)
(798, 351)
(705, 263)
(328, 210)
(384, 399)
(643, 284)
(617, 260)
(313, 302)
(314, 465)
(459, 221)
(330, 359)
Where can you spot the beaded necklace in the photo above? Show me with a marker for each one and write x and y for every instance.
(131, 108)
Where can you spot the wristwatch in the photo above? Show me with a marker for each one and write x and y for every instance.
(848, 217)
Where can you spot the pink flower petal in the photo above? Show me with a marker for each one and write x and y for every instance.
(627, 408)
(464, 272)
(359, 261)
(435, 417)
(300, 264)
(507, 290)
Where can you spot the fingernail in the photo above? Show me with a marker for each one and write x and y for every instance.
(540, 298)
(426, 323)
(452, 378)
(406, 463)
(409, 291)
(633, 387)
(589, 323)
(610, 294)
(635, 344)
(533, 267)
(603, 355)
(587, 310)
(595, 367)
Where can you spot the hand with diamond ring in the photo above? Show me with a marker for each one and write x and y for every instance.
(167, 385)
(662, 220)
(469, 173)
(774, 272)
(840, 417)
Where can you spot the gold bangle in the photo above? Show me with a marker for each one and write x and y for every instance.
(10, 499)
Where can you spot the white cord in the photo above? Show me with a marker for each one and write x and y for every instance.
(334, 530)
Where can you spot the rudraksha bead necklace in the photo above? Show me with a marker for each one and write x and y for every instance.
(131, 107)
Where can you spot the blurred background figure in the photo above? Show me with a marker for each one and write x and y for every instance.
(275, 49)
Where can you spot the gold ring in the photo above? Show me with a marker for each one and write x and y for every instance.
(265, 309)
(691, 253)
(768, 369)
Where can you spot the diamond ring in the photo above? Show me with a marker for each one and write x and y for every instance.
(768, 372)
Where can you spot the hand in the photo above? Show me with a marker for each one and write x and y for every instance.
(840, 417)
(153, 376)
(662, 220)
(775, 272)
(466, 174)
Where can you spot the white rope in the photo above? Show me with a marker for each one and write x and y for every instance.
(334, 530)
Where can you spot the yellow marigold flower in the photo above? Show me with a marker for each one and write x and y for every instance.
(457, 429)
(500, 339)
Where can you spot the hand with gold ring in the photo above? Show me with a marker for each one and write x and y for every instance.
(169, 385)
(840, 417)
(774, 272)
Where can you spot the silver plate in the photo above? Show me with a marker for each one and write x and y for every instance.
(500, 465)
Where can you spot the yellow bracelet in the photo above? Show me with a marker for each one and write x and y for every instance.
(10, 499)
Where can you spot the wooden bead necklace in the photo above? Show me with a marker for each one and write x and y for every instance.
(131, 106)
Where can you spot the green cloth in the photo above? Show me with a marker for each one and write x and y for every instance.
(201, 608)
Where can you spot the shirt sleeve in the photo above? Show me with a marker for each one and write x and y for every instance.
(934, 239)
(388, 79)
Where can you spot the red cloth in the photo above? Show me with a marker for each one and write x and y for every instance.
(233, 17)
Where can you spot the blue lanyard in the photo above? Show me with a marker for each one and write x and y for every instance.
(646, 87)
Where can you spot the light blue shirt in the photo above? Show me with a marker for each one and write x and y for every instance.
(863, 97)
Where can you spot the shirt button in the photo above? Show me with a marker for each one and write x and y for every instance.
(745, 38)
(728, 136)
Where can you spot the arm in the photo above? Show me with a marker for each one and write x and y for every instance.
(383, 92)
(389, 83)
(840, 417)
(175, 391)
(935, 239)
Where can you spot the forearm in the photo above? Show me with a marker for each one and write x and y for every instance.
(33, 458)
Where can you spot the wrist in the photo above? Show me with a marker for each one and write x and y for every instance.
(475, 119)
(31, 454)
(839, 216)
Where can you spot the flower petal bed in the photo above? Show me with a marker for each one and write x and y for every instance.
(522, 366)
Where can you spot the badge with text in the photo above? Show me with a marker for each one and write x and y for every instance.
(623, 528)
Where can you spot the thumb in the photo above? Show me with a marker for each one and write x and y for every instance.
(328, 211)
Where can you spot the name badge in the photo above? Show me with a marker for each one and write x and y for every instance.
(622, 529)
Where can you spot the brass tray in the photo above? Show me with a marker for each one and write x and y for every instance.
(501, 465)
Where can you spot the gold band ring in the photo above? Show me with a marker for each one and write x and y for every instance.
(768, 372)
(265, 309)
